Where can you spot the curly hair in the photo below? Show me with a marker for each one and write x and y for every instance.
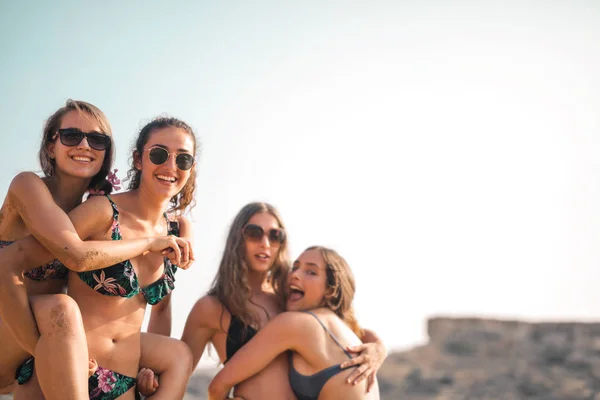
(99, 181)
(183, 199)
(230, 285)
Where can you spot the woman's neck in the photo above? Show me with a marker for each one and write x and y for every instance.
(67, 191)
(258, 282)
(148, 208)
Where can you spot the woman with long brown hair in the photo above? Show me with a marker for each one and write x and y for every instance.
(315, 333)
(249, 290)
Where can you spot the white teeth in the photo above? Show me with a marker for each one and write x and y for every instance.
(166, 178)
(85, 159)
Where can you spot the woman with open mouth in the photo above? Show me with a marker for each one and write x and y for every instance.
(315, 333)
(248, 292)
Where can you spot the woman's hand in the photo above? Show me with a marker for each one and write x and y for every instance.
(147, 382)
(178, 250)
(370, 358)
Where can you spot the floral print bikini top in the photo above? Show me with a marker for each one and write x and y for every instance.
(120, 279)
(53, 270)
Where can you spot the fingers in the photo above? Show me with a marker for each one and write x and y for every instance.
(356, 349)
(146, 382)
(370, 382)
(354, 361)
(92, 367)
(177, 251)
(359, 375)
(186, 253)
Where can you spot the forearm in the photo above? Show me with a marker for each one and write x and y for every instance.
(79, 255)
(15, 310)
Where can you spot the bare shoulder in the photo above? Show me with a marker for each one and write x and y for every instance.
(26, 182)
(208, 312)
(293, 320)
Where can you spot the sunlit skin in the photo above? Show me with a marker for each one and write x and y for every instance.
(307, 282)
(260, 255)
(313, 349)
(65, 189)
(113, 323)
(81, 161)
(156, 177)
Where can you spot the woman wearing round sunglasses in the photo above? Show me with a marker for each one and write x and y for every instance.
(320, 289)
(249, 291)
(76, 156)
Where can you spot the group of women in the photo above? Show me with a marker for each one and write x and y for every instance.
(114, 254)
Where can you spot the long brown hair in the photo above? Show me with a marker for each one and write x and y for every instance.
(52, 126)
(183, 199)
(230, 285)
(341, 287)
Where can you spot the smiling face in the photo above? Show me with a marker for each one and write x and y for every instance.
(307, 282)
(260, 254)
(165, 180)
(80, 161)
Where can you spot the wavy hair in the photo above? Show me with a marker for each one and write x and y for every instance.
(99, 181)
(341, 287)
(230, 285)
(183, 199)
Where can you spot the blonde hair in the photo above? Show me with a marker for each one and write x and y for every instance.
(230, 285)
(341, 287)
(52, 126)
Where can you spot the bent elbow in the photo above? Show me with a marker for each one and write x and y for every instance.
(217, 390)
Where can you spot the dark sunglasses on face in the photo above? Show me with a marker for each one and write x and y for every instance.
(72, 137)
(255, 233)
(159, 155)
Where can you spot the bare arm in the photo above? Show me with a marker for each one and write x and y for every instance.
(281, 334)
(160, 317)
(160, 314)
(91, 217)
(202, 323)
(56, 231)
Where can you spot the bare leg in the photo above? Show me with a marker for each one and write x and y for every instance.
(171, 360)
(11, 357)
(61, 355)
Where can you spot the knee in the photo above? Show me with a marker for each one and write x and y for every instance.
(59, 315)
(182, 356)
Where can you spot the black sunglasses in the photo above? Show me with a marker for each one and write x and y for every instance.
(159, 155)
(72, 137)
(255, 233)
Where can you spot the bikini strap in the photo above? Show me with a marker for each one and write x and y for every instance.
(172, 226)
(115, 230)
(330, 334)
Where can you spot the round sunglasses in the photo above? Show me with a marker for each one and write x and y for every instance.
(255, 233)
(73, 137)
(160, 155)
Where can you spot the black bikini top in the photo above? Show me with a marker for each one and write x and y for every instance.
(238, 335)
(309, 387)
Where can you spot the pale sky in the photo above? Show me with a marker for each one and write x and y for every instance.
(447, 149)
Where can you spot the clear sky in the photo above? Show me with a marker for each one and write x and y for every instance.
(448, 149)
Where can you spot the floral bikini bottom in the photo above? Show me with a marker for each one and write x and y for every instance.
(103, 385)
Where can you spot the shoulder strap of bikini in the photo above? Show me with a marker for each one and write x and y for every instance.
(172, 226)
(116, 231)
(330, 334)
